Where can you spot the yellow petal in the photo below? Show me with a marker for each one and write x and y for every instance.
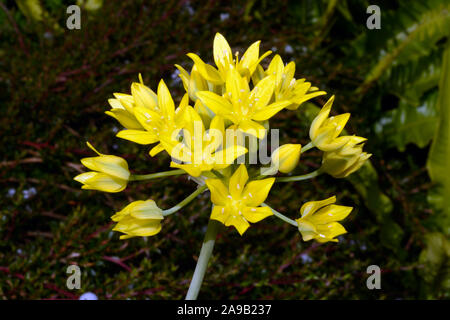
(227, 156)
(218, 213)
(238, 181)
(192, 169)
(238, 222)
(207, 71)
(112, 165)
(253, 128)
(256, 191)
(270, 110)
(330, 230)
(138, 136)
(156, 149)
(312, 206)
(104, 182)
(321, 117)
(330, 213)
(307, 229)
(216, 103)
(165, 101)
(223, 56)
(254, 215)
(125, 118)
(219, 193)
(143, 96)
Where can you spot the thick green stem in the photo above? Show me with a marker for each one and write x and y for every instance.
(138, 177)
(185, 201)
(299, 178)
(202, 263)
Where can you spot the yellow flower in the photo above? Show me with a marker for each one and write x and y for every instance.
(239, 203)
(286, 157)
(319, 220)
(345, 160)
(203, 150)
(157, 116)
(110, 173)
(122, 110)
(193, 82)
(223, 58)
(138, 219)
(123, 105)
(287, 87)
(243, 107)
(324, 130)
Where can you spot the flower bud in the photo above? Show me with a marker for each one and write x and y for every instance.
(138, 219)
(110, 173)
(346, 160)
(286, 157)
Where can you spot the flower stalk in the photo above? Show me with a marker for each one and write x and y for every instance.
(203, 259)
(140, 177)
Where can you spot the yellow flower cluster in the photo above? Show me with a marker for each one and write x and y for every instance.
(237, 95)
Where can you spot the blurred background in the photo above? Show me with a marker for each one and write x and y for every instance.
(54, 86)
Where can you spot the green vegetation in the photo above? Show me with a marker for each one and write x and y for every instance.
(54, 86)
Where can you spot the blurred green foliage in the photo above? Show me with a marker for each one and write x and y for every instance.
(54, 86)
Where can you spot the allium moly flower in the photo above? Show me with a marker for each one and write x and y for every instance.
(203, 150)
(245, 108)
(237, 203)
(345, 160)
(138, 219)
(223, 58)
(193, 82)
(148, 117)
(286, 86)
(110, 173)
(319, 220)
(324, 130)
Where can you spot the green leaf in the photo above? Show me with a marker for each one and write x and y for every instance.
(409, 123)
(417, 41)
(438, 163)
(435, 261)
(31, 9)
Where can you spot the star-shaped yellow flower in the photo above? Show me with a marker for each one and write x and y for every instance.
(319, 220)
(239, 203)
(202, 150)
(324, 130)
(289, 88)
(243, 107)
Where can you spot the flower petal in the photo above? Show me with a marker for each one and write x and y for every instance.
(238, 181)
(138, 136)
(256, 191)
(219, 193)
(254, 215)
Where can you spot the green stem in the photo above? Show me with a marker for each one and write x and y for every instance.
(191, 197)
(307, 147)
(281, 216)
(300, 178)
(202, 263)
(139, 177)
